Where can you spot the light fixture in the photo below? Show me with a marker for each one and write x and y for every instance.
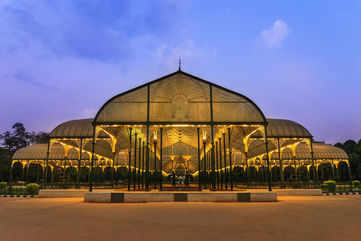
(204, 136)
(155, 137)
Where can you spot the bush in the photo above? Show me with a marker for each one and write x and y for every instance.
(331, 186)
(32, 189)
(356, 184)
(3, 187)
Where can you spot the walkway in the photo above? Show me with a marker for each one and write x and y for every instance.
(292, 218)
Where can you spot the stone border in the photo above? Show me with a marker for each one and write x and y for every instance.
(140, 197)
(298, 192)
(19, 196)
(341, 193)
(62, 193)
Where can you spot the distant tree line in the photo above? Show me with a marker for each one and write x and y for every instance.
(13, 140)
(353, 150)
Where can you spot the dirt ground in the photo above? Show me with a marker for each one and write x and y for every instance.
(292, 218)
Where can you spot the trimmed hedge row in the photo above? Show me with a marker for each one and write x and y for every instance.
(30, 189)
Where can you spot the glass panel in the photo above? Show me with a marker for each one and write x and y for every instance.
(233, 108)
(130, 107)
(179, 98)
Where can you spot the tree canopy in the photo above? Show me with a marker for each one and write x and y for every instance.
(353, 150)
(11, 141)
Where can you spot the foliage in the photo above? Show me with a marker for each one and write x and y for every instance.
(331, 186)
(13, 140)
(4, 164)
(17, 191)
(353, 150)
(356, 183)
(32, 189)
(3, 187)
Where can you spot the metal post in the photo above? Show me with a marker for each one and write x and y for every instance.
(135, 162)
(147, 162)
(225, 160)
(139, 161)
(315, 174)
(79, 161)
(247, 167)
(113, 168)
(216, 167)
(267, 159)
(281, 162)
(220, 161)
(161, 160)
(130, 157)
(143, 170)
(230, 158)
(92, 162)
(295, 166)
(199, 162)
(155, 174)
(147, 142)
(45, 177)
(213, 166)
(204, 164)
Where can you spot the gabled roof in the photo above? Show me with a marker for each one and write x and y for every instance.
(179, 98)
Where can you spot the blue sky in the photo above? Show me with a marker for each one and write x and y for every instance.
(61, 60)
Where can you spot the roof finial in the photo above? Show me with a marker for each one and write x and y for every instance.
(180, 64)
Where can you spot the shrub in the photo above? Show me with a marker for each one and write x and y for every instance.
(32, 189)
(356, 184)
(331, 186)
(3, 187)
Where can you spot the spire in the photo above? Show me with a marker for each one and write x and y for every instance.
(180, 64)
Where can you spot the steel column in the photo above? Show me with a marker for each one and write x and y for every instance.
(135, 161)
(92, 162)
(79, 161)
(267, 159)
(225, 160)
(161, 160)
(129, 158)
(220, 161)
(199, 161)
(281, 162)
(139, 161)
(230, 158)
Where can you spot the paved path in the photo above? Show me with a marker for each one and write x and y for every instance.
(292, 218)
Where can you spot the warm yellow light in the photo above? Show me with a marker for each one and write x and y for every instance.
(155, 137)
(204, 135)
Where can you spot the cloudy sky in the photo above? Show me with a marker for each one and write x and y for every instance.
(61, 60)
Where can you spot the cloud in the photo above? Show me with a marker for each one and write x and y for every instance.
(63, 59)
(274, 36)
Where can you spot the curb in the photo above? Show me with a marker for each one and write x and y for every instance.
(128, 197)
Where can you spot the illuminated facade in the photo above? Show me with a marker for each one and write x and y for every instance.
(181, 126)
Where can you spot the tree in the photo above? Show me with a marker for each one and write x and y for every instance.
(13, 140)
(353, 150)
(39, 138)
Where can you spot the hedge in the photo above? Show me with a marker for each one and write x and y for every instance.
(32, 189)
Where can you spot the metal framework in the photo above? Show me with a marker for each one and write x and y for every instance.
(155, 132)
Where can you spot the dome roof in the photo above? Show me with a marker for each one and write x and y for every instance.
(75, 129)
(285, 128)
(38, 152)
(320, 152)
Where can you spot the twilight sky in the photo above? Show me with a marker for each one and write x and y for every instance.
(61, 60)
